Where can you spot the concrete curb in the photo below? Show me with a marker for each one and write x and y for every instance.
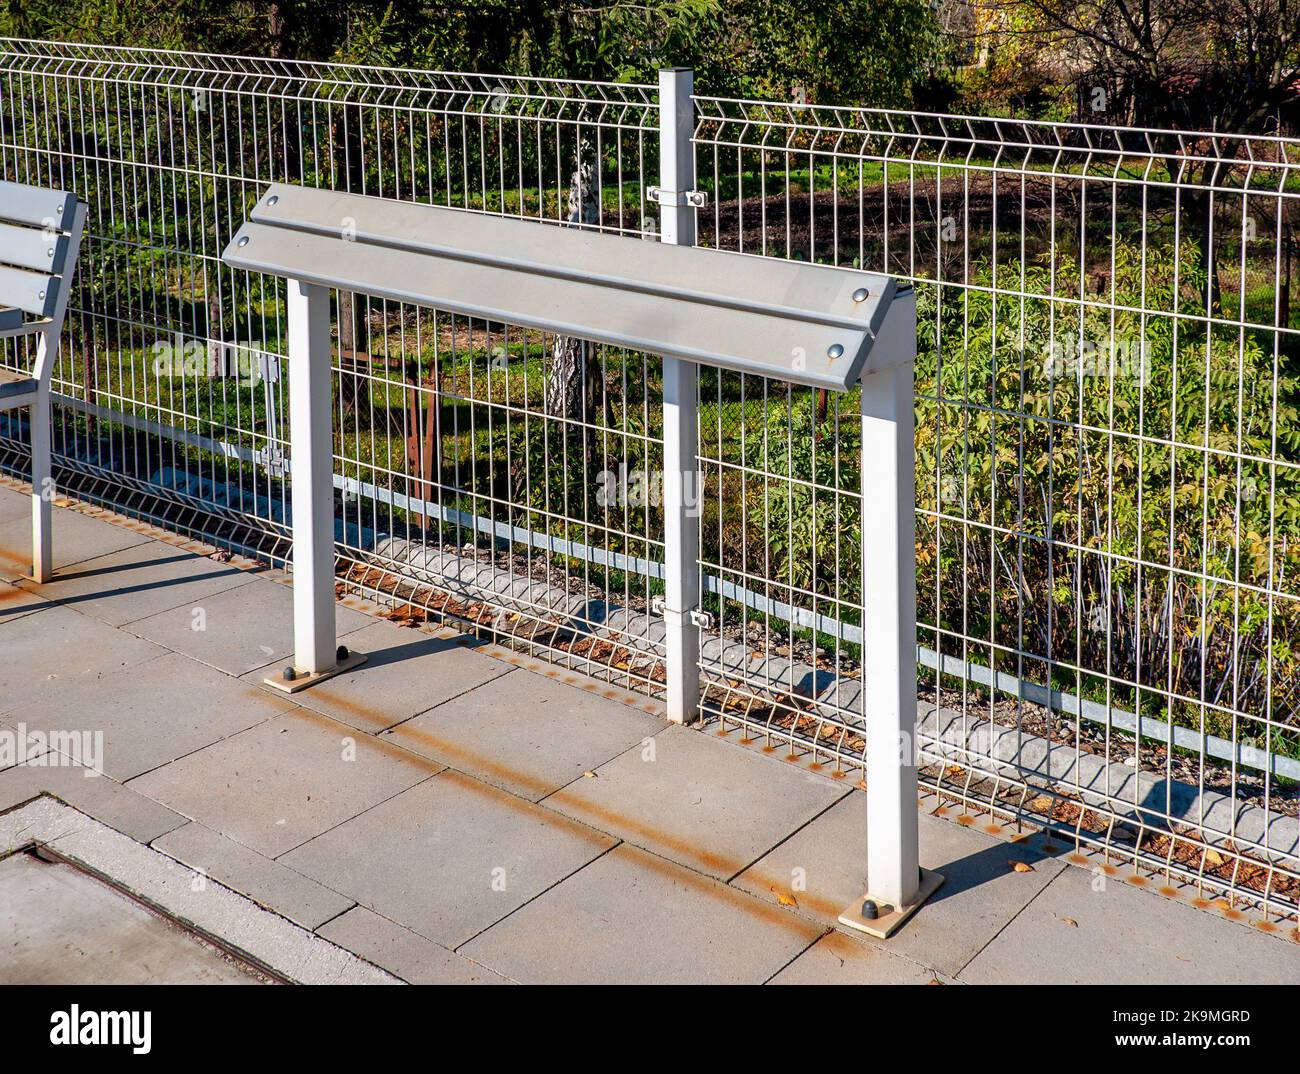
(216, 912)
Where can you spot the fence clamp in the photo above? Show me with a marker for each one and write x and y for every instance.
(702, 619)
(273, 458)
(694, 199)
(698, 617)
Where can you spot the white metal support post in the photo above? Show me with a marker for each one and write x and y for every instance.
(681, 484)
(47, 350)
(42, 464)
(312, 484)
(895, 881)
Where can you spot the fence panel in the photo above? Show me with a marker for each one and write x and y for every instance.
(1106, 466)
(460, 458)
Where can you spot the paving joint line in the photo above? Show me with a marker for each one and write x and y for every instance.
(1006, 925)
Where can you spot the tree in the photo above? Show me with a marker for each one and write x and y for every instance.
(1226, 65)
(873, 52)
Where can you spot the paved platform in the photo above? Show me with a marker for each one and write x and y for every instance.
(448, 815)
(60, 926)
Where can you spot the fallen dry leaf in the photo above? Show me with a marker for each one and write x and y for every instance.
(1041, 804)
(1021, 866)
(784, 898)
(1213, 859)
(1070, 921)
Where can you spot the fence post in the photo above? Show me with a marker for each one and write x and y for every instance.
(896, 884)
(42, 465)
(312, 468)
(680, 400)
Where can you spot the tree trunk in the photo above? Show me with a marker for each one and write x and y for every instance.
(87, 352)
(216, 349)
(1284, 303)
(285, 136)
(276, 29)
(423, 443)
(568, 384)
(349, 160)
(353, 363)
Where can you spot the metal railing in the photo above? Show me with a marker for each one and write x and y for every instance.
(1107, 516)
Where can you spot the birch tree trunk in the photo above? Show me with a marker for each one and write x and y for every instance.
(568, 389)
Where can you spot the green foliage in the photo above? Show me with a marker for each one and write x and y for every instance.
(810, 535)
(834, 51)
(1157, 541)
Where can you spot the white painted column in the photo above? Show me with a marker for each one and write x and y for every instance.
(312, 471)
(680, 390)
(47, 353)
(42, 467)
(889, 627)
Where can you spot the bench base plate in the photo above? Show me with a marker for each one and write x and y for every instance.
(887, 924)
(304, 680)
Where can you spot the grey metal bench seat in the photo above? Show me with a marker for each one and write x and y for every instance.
(16, 385)
(40, 239)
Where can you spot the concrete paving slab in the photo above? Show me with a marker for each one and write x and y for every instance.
(265, 938)
(65, 647)
(406, 671)
(59, 925)
(1074, 933)
(282, 782)
(526, 733)
(77, 538)
(152, 713)
(450, 857)
(16, 602)
(841, 960)
(140, 581)
(119, 807)
(980, 894)
(696, 800)
(14, 565)
(16, 748)
(239, 630)
(403, 953)
(632, 916)
(266, 882)
(14, 504)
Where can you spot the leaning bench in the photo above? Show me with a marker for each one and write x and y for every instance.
(40, 237)
(809, 325)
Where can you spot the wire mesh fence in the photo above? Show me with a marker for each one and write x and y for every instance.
(1105, 461)
(1106, 449)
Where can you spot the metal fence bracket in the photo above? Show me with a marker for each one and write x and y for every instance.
(701, 619)
(697, 617)
(682, 199)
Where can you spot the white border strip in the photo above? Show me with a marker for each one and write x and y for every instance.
(214, 911)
